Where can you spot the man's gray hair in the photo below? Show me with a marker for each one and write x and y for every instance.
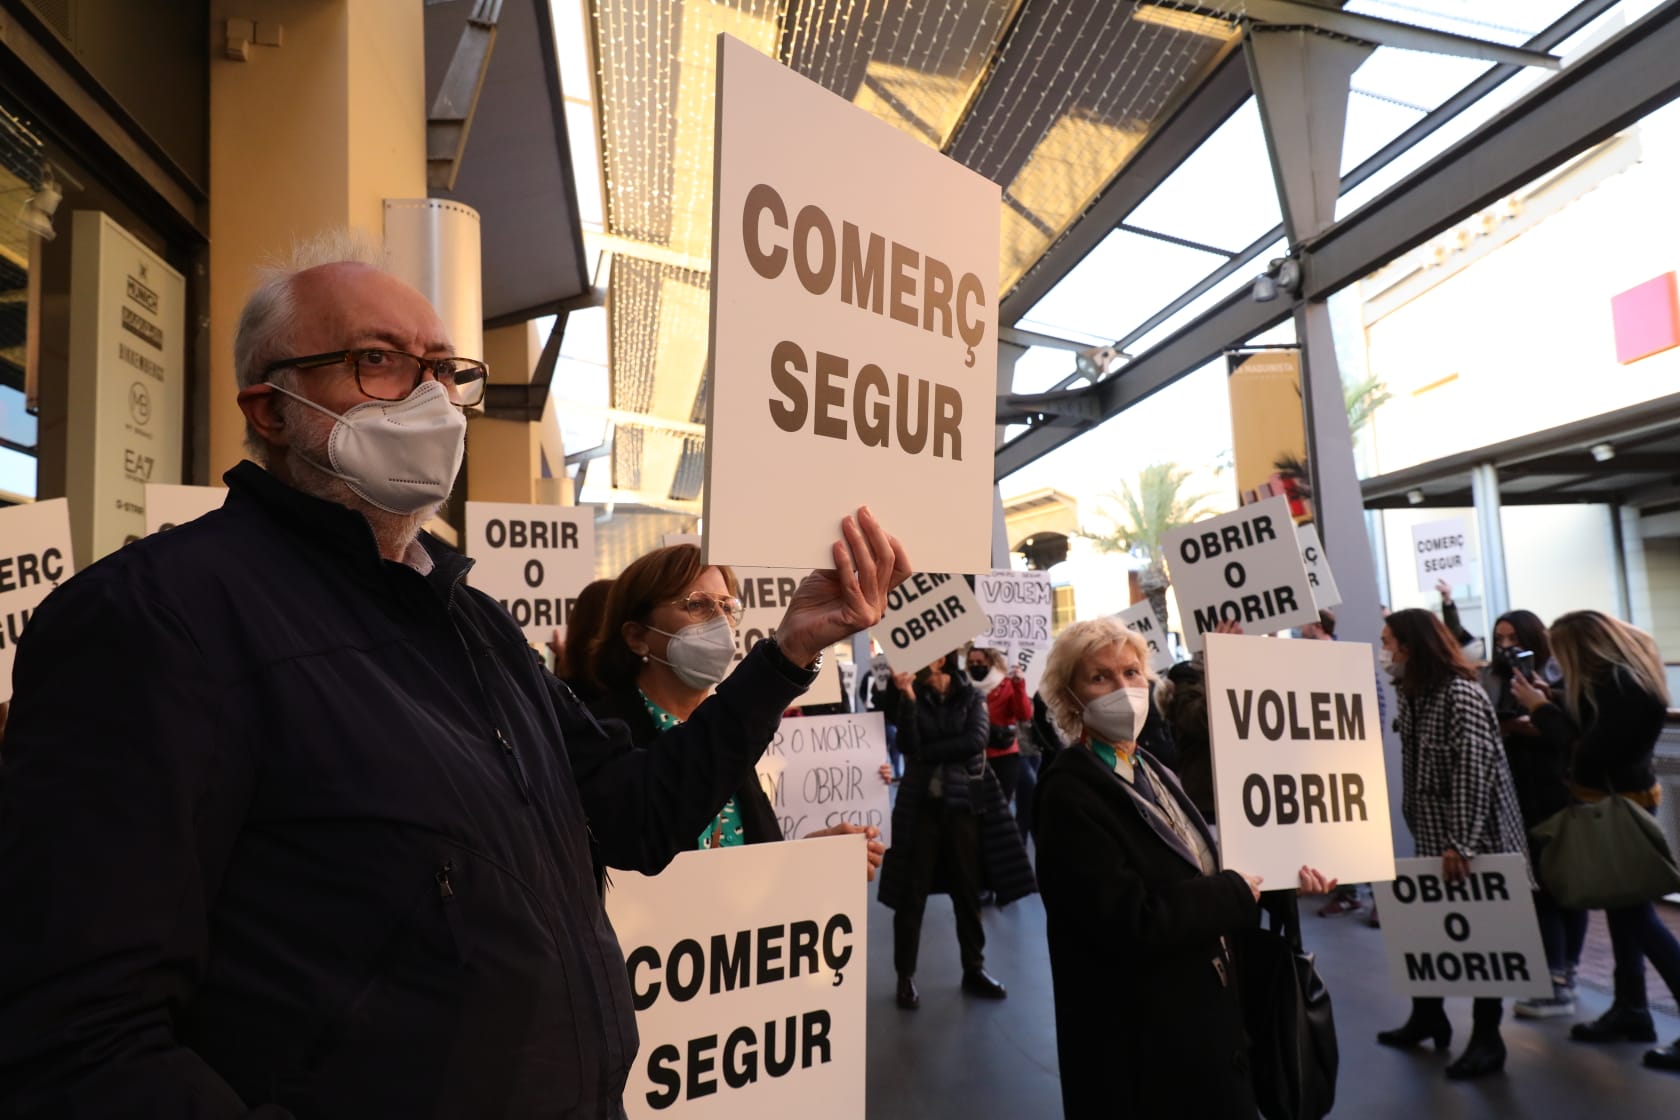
(270, 312)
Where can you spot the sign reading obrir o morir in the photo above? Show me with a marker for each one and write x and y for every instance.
(533, 559)
(1243, 567)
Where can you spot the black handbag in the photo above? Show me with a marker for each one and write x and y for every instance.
(1292, 1032)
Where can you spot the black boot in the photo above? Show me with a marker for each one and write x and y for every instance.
(977, 982)
(1665, 1057)
(1426, 1022)
(1622, 1023)
(908, 997)
(1484, 1055)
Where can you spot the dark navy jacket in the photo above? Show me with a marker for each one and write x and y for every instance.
(292, 829)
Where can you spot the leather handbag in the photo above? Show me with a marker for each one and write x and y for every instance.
(1604, 855)
(1286, 1009)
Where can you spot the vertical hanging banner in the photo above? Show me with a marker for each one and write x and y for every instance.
(1243, 566)
(1298, 773)
(1319, 576)
(1268, 426)
(928, 615)
(127, 382)
(35, 557)
(1442, 549)
(168, 505)
(1140, 619)
(765, 594)
(1474, 937)
(1018, 605)
(533, 559)
(820, 771)
(747, 971)
(853, 337)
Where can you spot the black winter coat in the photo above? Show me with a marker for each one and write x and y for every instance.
(1613, 752)
(758, 818)
(947, 735)
(1147, 1017)
(288, 827)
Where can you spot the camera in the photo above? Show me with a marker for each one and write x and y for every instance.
(1515, 657)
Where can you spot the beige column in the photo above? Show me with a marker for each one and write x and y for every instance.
(310, 135)
(505, 457)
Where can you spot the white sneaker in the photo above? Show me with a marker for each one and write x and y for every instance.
(1561, 1003)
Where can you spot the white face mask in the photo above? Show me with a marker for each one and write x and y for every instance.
(1385, 659)
(1117, 717)
(401, 456)
(700, 655)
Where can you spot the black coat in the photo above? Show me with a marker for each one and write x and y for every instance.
(1613, 752)
(286, 824)
(758, 819)
(1147, 1017)
(947, 735)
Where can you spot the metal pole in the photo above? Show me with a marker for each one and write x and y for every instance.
(1484, 491)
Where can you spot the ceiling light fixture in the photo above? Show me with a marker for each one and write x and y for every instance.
(36, 214)
(1415, 497)
(1180, 20)
(1603, 452)
(1099, 361)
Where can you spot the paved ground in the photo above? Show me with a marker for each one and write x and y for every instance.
(974, 1060)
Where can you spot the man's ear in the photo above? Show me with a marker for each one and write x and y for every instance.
(261, 406)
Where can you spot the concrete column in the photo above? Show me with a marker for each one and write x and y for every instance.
(307, 136)
(505, 457)
(1639, 606)
(1496, 587)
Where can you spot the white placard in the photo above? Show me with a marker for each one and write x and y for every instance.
(748, 971)
(1140, 619)
(1243, 566)
(1019, 607)
(765, 593)
(127, 317)
(1442, 549)
(854, 342)
(1029, 661)
(168, 505)
(35, 557)
(1298, 772)
(1475, 937)
(1319, 576)
(928, 615)
(533, 559)
(820, 771)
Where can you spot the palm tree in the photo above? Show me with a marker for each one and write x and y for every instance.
(1155, 505)
(1363, 398)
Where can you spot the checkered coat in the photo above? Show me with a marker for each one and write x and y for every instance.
(1458, 792)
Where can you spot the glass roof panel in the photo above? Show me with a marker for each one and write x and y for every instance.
(1117, 286)
(1223, 194)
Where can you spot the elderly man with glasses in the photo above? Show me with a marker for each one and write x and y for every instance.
(292, 821)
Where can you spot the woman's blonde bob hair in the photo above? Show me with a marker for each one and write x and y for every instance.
(1071, 648)
(1586, 643)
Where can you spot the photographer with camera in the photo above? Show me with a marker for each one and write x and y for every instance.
(1522, 647)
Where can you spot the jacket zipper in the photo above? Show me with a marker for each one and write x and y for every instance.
(510, 756)
(451, 912)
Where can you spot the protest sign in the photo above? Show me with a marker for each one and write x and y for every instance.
(854, 338)
(748, 971)
(1140, 618)
(928, 615)
(1442, 549)
(1298, 772)
(168, 505)
(820, 771)
(1475, 937)
(1018, 605)
(1028, 660)
(1242, 567)
(1320, 578)
(34, 558)
(533, 559)
(765, 594)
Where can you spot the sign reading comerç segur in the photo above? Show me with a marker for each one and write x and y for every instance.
(854, 337)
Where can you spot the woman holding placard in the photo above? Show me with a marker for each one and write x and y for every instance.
(666, 639)
(1139, 914)
(1458, 799)
(1609, 712)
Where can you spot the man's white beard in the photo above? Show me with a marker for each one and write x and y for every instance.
(311, 432)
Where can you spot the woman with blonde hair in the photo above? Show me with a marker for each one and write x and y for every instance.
(1138, 912)
(1612, 708)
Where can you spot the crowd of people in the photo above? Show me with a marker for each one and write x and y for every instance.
(335, 842)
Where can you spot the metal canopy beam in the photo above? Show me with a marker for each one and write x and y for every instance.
(1592, 100)
(452, 112)
(1377, 32)
(1616, 85)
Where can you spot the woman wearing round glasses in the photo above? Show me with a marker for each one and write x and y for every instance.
(667, 639)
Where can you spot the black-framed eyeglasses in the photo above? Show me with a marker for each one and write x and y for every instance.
(703, 608)
(391, 375)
